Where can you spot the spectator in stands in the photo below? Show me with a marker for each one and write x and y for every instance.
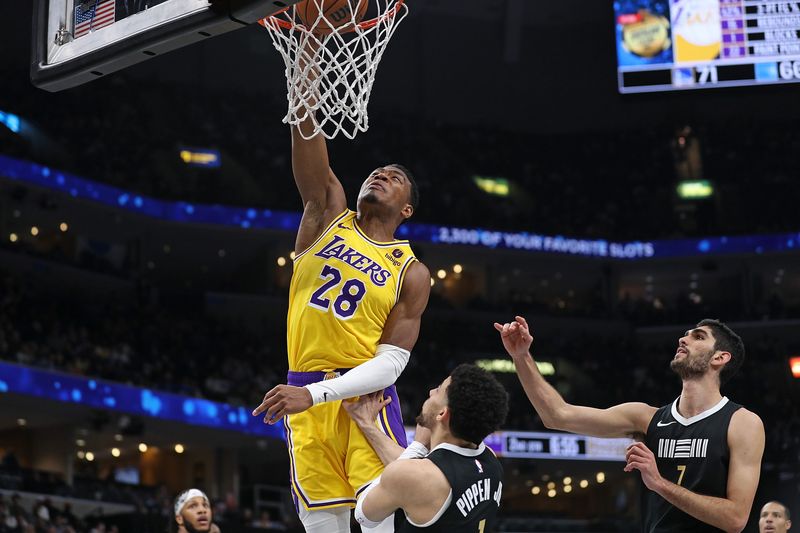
(192, 513)
(10, 462)
(100, 527)
(16, 508)
(61, 525)
(264, 521)
(41, 514)
(69, 516)
(774, 518)
(6, 521)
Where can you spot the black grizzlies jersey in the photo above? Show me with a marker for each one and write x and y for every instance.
(692, 452)
(476, 483)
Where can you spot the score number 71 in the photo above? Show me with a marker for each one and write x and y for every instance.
(707, 74)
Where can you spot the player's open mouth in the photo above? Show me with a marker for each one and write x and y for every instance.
(376, 186)
(681, 351)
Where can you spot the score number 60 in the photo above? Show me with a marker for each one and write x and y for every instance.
(789, 70)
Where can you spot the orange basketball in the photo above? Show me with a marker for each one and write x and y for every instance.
(337, 13)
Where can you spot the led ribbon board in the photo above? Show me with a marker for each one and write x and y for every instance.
(99, 394)
(244, 217)
(546, 445)
(530, 445)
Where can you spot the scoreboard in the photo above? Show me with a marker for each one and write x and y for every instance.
(551, 445)
(543, 445)
(665, 45)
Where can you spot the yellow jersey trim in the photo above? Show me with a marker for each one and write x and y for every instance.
(373, 242)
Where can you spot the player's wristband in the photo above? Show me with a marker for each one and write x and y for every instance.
(374, 375)
(415, 450)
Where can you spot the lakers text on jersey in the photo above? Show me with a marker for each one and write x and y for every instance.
(343, 288)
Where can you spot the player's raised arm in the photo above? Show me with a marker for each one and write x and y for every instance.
(365, 411)
(622, 420)
(320, 190)
(399, 487)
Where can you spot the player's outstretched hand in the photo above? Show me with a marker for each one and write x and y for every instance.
(639, 457)
(365, 409)
(516, 337)
(284, 400)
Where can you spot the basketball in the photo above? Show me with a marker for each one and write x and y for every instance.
(337, 13)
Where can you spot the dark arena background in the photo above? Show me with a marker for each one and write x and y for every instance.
(147, 220)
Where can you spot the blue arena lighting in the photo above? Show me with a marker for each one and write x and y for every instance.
(94, 393)
(10, 120)
(101, 394)
(252, 218)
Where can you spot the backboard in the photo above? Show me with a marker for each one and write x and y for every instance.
(76, 41)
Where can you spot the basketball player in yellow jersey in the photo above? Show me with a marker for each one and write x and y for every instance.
(355, 303)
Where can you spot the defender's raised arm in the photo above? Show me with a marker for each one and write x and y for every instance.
(622, 420)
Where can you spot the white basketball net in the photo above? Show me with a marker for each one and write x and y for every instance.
(330, 70)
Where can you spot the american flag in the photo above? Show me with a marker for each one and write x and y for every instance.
(92, 15)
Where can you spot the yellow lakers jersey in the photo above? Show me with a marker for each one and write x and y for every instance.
(343, 288)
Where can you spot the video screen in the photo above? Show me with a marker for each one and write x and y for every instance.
(665, 45)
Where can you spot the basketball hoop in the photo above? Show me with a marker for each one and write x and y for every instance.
(330, 68)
